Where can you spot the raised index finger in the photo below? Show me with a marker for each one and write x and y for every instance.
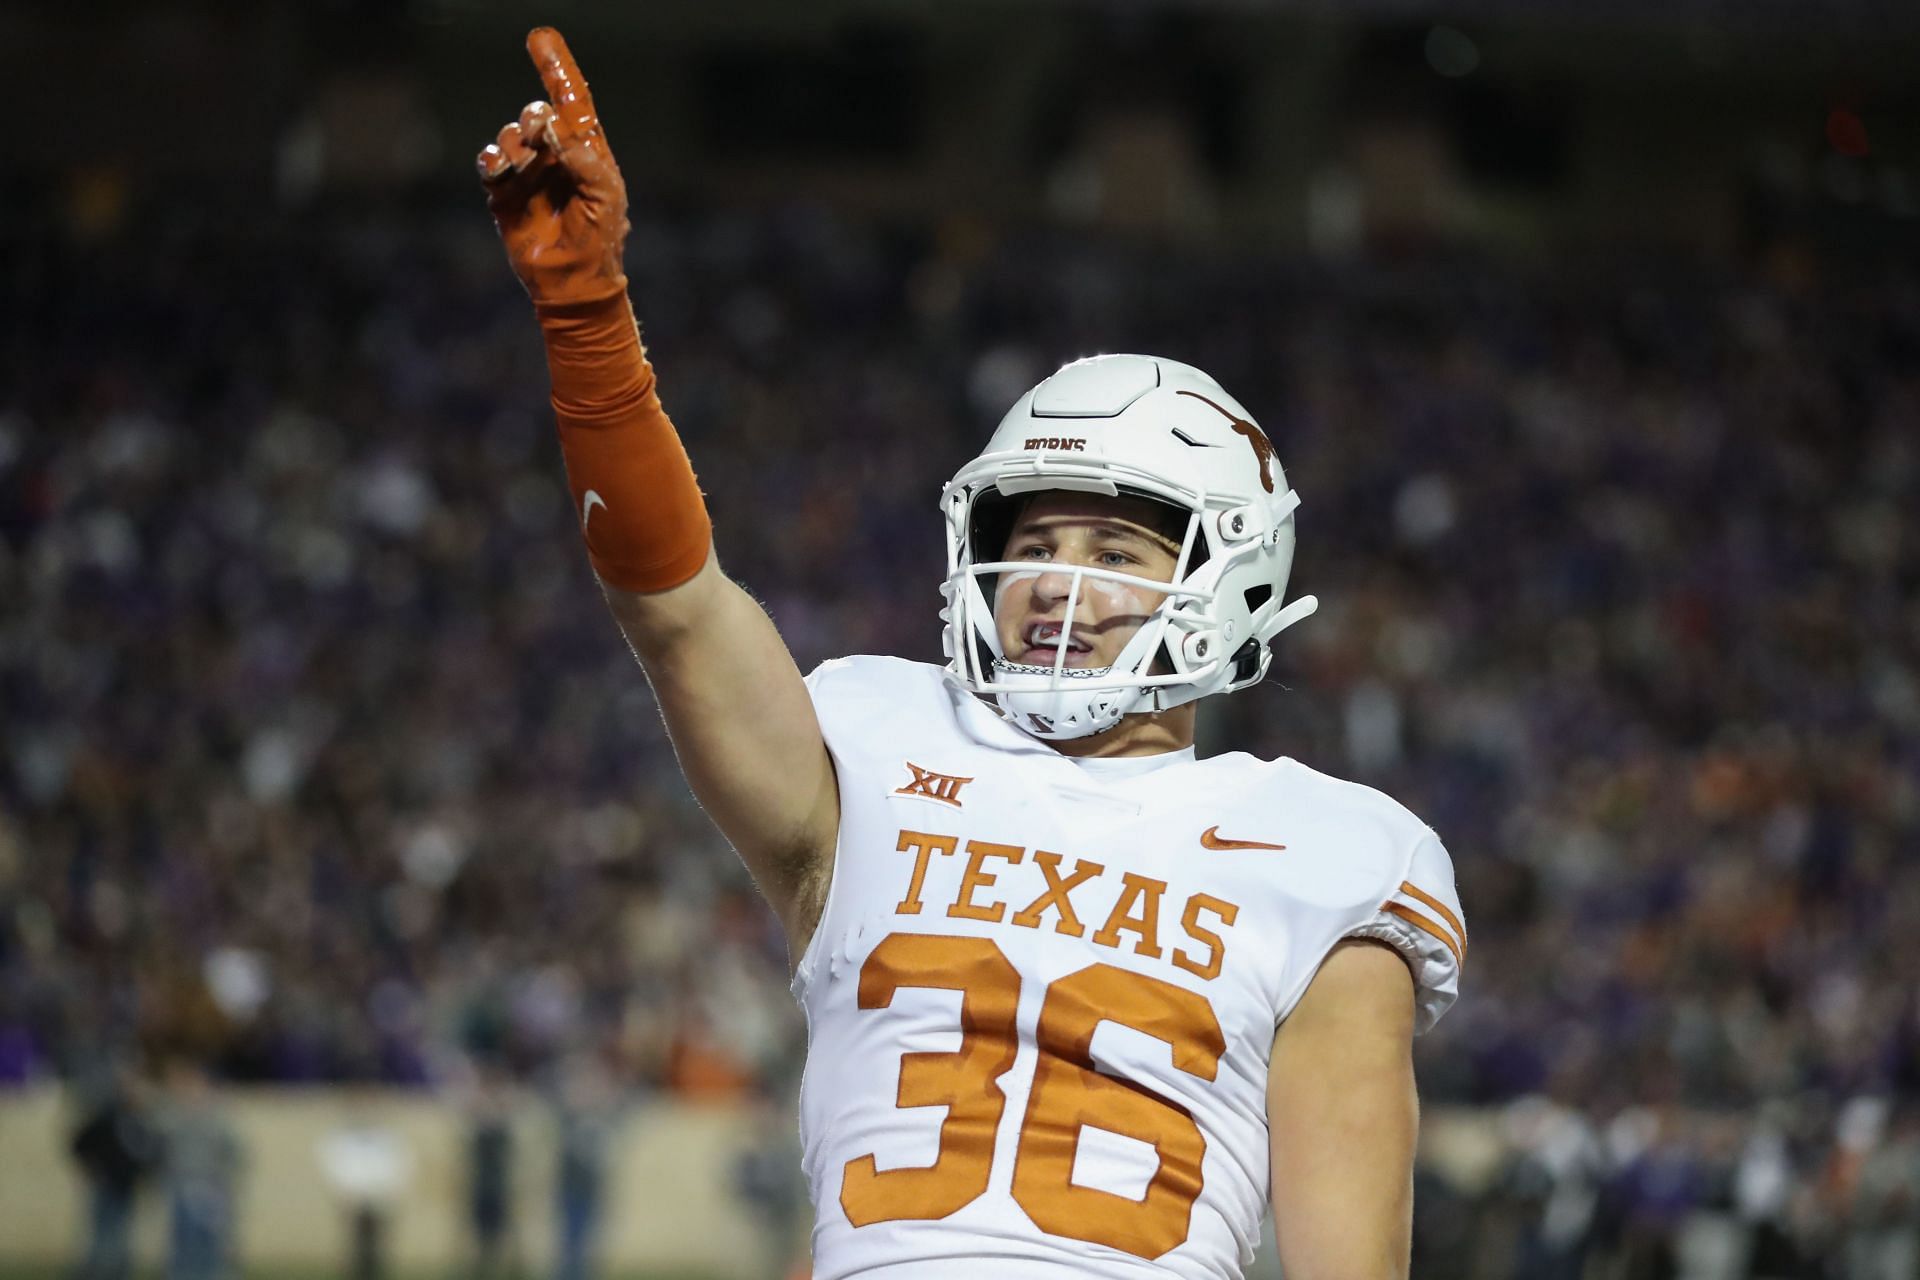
(566, 87)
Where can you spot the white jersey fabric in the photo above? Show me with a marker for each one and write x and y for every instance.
(1043, 993)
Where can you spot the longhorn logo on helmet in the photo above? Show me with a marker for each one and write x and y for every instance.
(1262, 447)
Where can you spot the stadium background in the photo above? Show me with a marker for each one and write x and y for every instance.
(1590, 333)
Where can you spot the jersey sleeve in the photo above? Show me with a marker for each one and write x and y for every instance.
(861, 703)
(1421, 919)
(854, 697)
(831, 686)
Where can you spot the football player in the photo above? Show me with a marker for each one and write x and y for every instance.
(1078, 1003)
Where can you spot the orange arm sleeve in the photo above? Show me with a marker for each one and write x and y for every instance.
(641, 513)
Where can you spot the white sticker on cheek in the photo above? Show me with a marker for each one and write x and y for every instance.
(1007, 580)
(1116, 597)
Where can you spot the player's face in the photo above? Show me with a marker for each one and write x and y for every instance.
(1058, 531)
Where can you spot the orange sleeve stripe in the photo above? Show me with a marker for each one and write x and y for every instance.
(1428, 926)
(1452, 919)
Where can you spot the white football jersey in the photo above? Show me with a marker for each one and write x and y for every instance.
(1042, 996)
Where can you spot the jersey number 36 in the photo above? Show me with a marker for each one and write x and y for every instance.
(1067, 1093)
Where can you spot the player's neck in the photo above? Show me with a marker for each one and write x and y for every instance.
(1148, 734)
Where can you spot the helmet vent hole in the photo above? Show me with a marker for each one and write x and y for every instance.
(1257, 596)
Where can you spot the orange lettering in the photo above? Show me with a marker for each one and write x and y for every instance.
(1070, 1091)
(1056, 894)
(1147, 924)
(943, 787)
(964, 1081)
(974, 879)
(1217, 949)
(925, 844)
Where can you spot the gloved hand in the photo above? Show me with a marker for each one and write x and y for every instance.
(554, 189)
(561, 206)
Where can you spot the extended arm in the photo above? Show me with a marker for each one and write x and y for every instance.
(1343, 1117)
(733, 700)
(744, 729)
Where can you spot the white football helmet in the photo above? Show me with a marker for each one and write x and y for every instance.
(1137, 426)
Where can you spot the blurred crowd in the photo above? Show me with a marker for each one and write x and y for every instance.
(322, 761)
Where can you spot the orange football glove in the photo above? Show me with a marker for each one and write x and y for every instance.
(554, 189)
(561, 206)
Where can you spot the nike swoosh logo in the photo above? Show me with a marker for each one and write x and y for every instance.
(1212, 839)
(586, 508)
